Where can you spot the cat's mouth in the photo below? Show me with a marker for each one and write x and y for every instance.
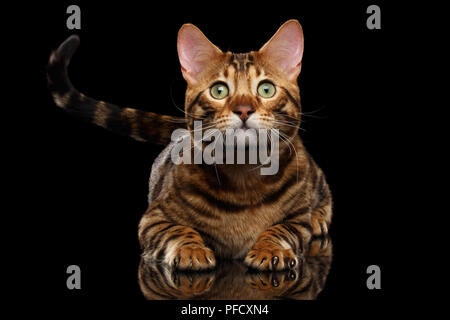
(244, 127)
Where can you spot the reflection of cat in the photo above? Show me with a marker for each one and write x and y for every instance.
(231, 280)
(198, 212)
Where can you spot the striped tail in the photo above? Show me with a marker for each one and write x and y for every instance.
(137, 124)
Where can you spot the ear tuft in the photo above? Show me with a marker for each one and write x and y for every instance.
(285, 48)
(195, 52)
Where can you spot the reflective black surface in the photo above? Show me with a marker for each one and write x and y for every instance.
(232, 280)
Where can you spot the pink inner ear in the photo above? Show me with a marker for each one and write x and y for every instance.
(285, 48)
(195, 51)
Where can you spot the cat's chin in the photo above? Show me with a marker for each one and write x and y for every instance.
(250, 136)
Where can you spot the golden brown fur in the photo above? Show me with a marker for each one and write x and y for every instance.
(200, 212)
(268, 220)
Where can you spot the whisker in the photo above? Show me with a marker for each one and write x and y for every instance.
(285, 123)
(288, 140)
(288, 125)
(309, 113)
(193, 145)
(286, 115)
(180, 109)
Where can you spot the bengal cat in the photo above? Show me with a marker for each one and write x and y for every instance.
(200, 212)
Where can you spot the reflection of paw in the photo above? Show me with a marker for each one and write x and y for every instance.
(193, 283)
(192, 258)
(272, 281)
(318, 246)
(271, 258)
(319, 226)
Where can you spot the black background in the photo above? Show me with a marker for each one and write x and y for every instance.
(88, 187)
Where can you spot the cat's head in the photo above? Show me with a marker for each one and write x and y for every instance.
(251, 90)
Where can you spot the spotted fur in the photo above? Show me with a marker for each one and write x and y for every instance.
(200, 212)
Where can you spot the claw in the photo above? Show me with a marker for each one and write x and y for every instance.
(292, 263)
(275, 260)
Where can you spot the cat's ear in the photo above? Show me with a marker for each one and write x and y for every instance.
(195, 52)
(285, 49)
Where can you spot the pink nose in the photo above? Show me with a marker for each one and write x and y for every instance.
(243, 112)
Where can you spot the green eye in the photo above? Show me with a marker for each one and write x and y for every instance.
(219, 91)
(266, 90)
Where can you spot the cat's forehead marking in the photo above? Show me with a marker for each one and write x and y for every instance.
(241, 61)
(243, 65)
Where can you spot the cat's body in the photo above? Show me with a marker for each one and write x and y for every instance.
(228, 219)
(198, 211)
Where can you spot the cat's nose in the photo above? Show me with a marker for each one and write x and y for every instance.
(243, 112)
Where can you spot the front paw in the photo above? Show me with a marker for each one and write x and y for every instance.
(319, 226)
(191, 258)
(271, 258)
